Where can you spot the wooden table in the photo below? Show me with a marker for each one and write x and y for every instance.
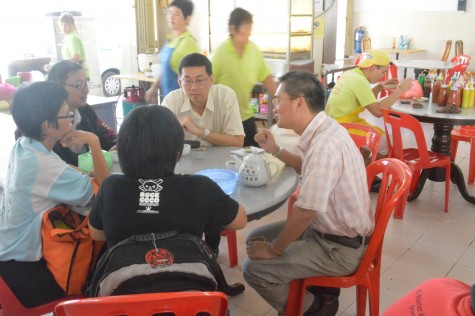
(398, 51)
(258, 201)
(443, 124)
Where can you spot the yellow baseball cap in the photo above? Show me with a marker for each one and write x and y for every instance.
(374, 57)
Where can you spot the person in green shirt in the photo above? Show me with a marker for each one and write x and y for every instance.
(73, 48)
(353, 94)
(238, 63)
(179, 44)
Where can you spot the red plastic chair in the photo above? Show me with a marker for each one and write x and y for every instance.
(458, 69)
(461, 59)
(465, 134)
(365, 136)
(416, 158)
(232, 247)
(360, 58)
(179, 303)
(396, 177)
(11, 306)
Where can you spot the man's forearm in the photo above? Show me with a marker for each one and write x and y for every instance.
(296, 224)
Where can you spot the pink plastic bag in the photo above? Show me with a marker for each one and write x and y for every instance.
(414, 92)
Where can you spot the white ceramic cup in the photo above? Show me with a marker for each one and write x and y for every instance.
(186, 149)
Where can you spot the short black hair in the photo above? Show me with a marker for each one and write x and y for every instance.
(60, 71)
(196, 60)
(150, 142)
(185, 6)
(36, 103)
(238, 17)
(303, 83)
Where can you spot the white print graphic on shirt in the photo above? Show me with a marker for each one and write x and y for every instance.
(150, 195)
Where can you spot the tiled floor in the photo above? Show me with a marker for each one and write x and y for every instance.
(427, 243)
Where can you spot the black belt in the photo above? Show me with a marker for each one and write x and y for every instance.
(352, 242)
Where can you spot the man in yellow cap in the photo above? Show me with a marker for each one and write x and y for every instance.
(353, 94)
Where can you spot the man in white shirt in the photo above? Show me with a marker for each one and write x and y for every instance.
(208, 113)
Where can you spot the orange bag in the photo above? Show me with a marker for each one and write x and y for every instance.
(68, 249)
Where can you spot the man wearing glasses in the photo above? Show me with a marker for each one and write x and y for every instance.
(327, 231)
(208, 113)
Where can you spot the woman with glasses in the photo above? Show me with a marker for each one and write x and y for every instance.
(36, 181)
(73, 78)
(180, 43)
(238, 63)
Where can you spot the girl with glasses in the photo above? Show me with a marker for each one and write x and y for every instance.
(73, 78)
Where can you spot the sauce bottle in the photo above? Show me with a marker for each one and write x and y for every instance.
(472, 94)
(442, 97)
(466, 97)
(454, 96)
(436, 88)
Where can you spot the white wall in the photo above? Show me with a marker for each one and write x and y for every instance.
(428, 23)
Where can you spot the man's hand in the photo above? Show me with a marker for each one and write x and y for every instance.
(265, 139)
(190, 127)
(78, 138)
(406, 84)
(391, 81)
(260, 250)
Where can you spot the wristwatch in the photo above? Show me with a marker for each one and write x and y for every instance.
(279, 152)
(207, 132)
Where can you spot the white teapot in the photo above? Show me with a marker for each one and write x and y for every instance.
(254, 170)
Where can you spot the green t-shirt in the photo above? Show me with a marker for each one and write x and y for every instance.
(240, 73)
(188, 45)
(74, 46)
(351, 91)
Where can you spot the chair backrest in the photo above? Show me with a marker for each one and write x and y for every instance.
(364, 136)
(10, 305)
(395, 180)
(360, 58)
(461, 59)
(448, 47)
(366, 43)
(179, 303)
(458, 47)
(399, 121)
(458, 69)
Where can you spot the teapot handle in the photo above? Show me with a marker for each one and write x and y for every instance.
(277, 167)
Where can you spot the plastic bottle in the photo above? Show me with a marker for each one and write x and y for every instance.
(466, 97)
(442, 98)
(427, 87)
(454, 96)
(472, 94)
(436, 88)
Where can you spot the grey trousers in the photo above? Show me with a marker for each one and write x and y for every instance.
(307, 257)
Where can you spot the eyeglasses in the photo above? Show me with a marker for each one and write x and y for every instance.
(69, 116)
(276, 100)
(175, 14)
(198, 82)
(78, 86)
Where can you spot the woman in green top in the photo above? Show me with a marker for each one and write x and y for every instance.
(180, 44)
(238, 63)
(73, 48)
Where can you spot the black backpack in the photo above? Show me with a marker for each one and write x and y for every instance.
(159, 262)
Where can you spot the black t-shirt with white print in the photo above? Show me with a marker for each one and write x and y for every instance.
(126, 206)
